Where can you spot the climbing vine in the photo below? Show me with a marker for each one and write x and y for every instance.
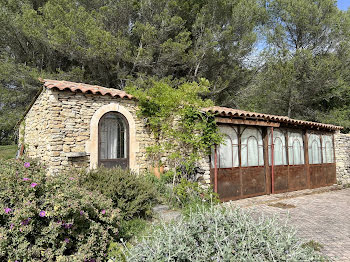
(173, 111)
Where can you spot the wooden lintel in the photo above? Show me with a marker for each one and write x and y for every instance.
(245, 122)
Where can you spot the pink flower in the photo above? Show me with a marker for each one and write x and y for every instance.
(71, 178)
(11, 226)
(33, 184)
(103, 212)
(8, 210)
(26, 179)
(26, 164)
(42, 213)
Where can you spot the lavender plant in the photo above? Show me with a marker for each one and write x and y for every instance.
(222, 235)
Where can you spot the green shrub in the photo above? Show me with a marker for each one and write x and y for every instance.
(162, 185)
(132, 228)
(221, 235)
(188, 195)
(132, 194)
(51, 218)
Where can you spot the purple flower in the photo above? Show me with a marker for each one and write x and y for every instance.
(26, 179)
(42, 213)
(66, 240)
(71, 178)
(103, 212)
(11, 226)
(25, 221)
(81, 212)
(26, 164)
(8, 210)
(33, 184)
(68, 226)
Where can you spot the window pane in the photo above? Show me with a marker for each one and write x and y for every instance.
(112, 137)
(327, 149)
(295, 148)
(227, 152)
(280, 154)
(252, 147)
(314, 149)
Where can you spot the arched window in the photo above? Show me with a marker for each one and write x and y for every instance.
(113, 140)
(279, 152)
(327, 149)
(252, 147)
(295, 148)
(227, 152)
(314, 149)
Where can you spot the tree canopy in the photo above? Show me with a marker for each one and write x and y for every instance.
(274, 56)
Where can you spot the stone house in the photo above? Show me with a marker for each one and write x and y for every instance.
(73, 124)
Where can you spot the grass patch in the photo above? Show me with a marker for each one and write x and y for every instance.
(282, 205)
(8, 151)
(313, 244)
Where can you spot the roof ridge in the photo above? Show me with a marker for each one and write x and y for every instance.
(85, 88)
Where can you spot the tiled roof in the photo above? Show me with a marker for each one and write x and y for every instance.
(85, 88)
(230, 112)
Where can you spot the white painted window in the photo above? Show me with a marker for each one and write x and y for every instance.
(252, 147)
(327, 149)
(314, 149)
(227, 152)
(279, 152)
(295, 148)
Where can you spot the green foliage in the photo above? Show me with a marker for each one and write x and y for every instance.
(131, 193)
(8, 152)
(51, 218)
(222, 235)
(189, 195)
(313, 244)
(132, 228)
(18, 85)
(303, 73)
(173, 113)
(111, 42)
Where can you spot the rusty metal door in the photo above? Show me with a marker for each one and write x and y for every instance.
(113, 140)
(240, 163)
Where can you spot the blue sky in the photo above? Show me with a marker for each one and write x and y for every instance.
(343, 4)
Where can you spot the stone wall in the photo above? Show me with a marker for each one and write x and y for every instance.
(58, 127)
(34, 129)
(342, 154)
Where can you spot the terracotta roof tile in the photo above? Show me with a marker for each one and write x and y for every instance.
(85, 88)
(231, 112)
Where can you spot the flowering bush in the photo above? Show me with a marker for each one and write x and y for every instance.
(51, 218)
(220, 234)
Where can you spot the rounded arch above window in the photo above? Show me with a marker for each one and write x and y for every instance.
(92, 144)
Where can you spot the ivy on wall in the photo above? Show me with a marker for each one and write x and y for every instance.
(173, 112)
